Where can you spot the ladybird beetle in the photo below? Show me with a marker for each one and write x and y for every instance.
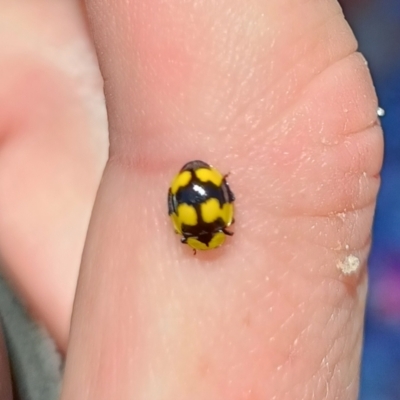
(200, 205)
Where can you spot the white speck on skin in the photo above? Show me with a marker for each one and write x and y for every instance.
(349, 265)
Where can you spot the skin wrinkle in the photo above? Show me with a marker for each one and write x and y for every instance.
(363, 170)
(331, 270)
(351, 205)
(256, 97)
(312, 111)
(349, 238)
(331, 318)
(342, 355)
(349, 135)
(332, 349)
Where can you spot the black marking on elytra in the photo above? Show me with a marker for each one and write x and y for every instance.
(203, 237)
(197, 192)
(195, 198)
(203, 231)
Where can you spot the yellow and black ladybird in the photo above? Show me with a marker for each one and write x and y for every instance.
(200, 204)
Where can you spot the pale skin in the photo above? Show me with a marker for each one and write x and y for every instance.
(272, 92)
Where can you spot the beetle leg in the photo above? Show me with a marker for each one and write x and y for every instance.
(227, 232)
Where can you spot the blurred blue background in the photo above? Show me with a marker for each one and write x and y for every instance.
(376, 24)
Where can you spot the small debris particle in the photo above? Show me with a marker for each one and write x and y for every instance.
(349, 265)
(380, 112)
